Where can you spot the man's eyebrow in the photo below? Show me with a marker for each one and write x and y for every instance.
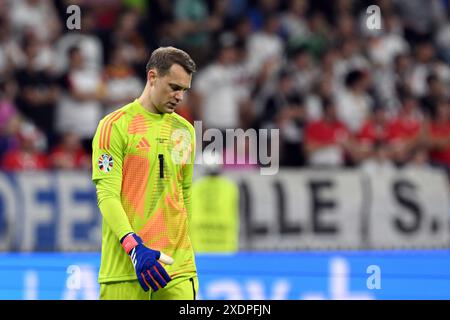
(175, 85)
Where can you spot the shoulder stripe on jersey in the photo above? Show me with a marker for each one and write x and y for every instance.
(105, 132)
(108, 136)
(104, 129)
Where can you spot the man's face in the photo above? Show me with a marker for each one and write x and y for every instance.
(168, 91)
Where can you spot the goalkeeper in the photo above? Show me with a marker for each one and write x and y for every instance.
(143, 159)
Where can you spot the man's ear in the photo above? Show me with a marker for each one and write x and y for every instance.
(151, 76)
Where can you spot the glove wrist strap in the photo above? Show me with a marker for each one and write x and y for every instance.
(129, 242)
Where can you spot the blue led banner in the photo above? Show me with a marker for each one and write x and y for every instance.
(399, 275)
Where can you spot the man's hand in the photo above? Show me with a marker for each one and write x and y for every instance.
(149, 271)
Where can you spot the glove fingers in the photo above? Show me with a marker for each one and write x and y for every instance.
(165, 258)
(142, 282)
(150, 281)
(154, 272)
(162, 272)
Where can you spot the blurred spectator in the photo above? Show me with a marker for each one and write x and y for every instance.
(386, 45)
(195, 25)
(294, 23)
(342, 7)
(318, 41)
(323, 89)
(90, 45)
(219, 88)
(305, 74)
(106, 12)
(39, 90)
(354, 103)
(405, 129)
(80, 109)
(325, 86)
(374, 132)
(127, 38)
(346, 27)
(40, 16)
(277, 100)
(435, 92)
(394, 82)
(328, 140)
(259, 12)
(442, 38)
(69, 154)
(122, 83)
(420, 17)
(42, 53)
(285, 110)
(439, 134)
(291, 121)
(236, 9)
(265, 46)
(159, 26)
(442, 70)
(28, 155)
(11, 55)
(242, 29)
(425, 55)
(350, 58)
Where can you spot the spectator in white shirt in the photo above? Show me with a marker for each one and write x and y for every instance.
(80, 109)
(265, 45)
(219, 88)
(354, 103)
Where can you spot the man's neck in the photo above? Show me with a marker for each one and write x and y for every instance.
(145, 101)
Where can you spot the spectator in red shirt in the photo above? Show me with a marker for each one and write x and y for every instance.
(439, 133)
(374, 131)
(28, 155)
(328, 140)
(405, 130)
(70, 154)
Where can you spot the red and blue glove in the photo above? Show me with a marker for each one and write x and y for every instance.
(149, 271)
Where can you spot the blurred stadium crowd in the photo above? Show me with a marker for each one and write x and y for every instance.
(340, 93)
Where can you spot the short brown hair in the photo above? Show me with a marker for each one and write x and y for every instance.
(164, 57)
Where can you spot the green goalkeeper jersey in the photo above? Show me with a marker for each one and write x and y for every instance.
(142, 167)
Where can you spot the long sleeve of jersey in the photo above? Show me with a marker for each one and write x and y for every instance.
(112, 210)
(188, 172)
(108, 144)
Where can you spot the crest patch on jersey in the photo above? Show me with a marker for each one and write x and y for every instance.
(105, 163)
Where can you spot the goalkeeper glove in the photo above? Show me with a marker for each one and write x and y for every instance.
(149, 271)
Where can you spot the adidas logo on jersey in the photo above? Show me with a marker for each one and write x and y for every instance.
(143, 145)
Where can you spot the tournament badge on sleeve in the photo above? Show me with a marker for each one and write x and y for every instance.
(105, 163)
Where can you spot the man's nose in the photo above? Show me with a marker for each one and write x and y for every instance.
(179, 96)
